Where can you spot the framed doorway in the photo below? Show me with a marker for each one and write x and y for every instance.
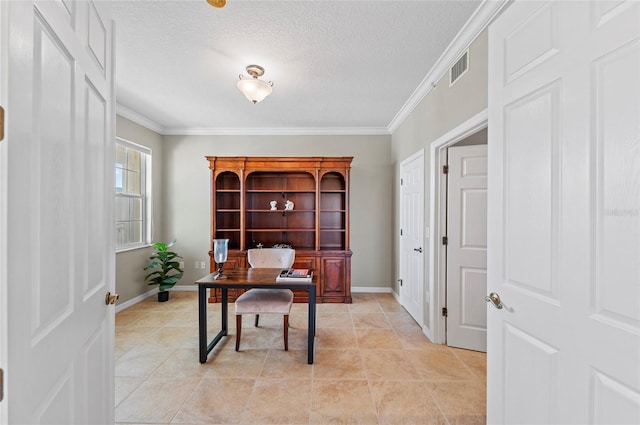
(438, 222)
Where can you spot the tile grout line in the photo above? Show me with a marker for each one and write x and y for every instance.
(477, 378)
(186, 399)
(190, 393)
(314, 381)
(446, 418)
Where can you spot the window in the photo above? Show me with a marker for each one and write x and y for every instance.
(133, 195)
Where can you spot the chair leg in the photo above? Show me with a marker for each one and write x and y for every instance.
(238, 330)
(257, 318)
(286, 332)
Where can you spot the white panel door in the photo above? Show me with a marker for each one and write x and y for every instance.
(564, 221)
(467, 247)
(412, 236)
(4, 66)
(60, 257)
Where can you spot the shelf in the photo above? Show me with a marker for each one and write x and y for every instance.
(332, 211)
(332, 230)
(279, 191)
(220, 229)
(280, 211)
(228, 182)
(226, 210)
(333, 191)
(280, 230)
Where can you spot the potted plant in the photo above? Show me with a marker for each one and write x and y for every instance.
(166, 268)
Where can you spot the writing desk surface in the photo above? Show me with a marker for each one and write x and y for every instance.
(248, 278)
(251, 278)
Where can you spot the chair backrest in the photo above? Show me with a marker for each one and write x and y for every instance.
(271, 257)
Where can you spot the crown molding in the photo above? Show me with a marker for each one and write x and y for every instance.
(279, 131)
(257, 131)
(139, 119)
(481, 18)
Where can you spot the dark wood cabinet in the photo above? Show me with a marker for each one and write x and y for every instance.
(317, 227)
(335, 276)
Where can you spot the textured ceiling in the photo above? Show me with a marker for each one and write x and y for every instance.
(334, 64)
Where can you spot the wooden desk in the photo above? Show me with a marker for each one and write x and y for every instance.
(247, 278)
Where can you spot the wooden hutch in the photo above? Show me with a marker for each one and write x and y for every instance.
(317, 227)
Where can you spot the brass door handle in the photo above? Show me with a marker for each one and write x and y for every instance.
(111, 298)
(494, 299)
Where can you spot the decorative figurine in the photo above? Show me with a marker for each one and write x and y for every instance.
(288, 205)
(273, 205)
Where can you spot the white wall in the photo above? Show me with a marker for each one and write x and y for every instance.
(187, 186)
(130, 264)
(443, 109)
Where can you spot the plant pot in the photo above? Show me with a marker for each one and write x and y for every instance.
(163, 296)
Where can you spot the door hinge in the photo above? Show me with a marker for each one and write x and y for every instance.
(400, 232)
(445, 240)
(400, 280)
(444, 311)
(445, 169)
(401, 182)
(1, 123)
(1, 384)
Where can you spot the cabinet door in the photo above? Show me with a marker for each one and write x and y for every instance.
(334, 279)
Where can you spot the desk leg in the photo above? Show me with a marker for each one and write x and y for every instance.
(202, 322)
(225, 310)
(312, 324)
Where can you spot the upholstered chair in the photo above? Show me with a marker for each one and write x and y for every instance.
(266, 301)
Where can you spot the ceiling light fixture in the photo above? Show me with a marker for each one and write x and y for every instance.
(217, 3)
(254, 88)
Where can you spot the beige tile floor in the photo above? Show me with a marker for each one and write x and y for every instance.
(372, 365)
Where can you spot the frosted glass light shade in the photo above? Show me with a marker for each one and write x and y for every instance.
(254, 89)
(220, 250)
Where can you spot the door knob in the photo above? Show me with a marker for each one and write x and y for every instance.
(494, 299)
(418, 249)
(111, 298)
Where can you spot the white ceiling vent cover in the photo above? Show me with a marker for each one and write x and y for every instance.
(459, 68)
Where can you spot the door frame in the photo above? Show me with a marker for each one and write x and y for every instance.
(437, 286)
(402, 261)
(4, 335)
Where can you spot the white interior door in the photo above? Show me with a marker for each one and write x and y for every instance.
(564, 202)
(4, 66)
(467, 247)
(412, 236)
(60, 256)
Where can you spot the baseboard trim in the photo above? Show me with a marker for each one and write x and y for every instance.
(194, 288)
(185, 288)
(395, 295)
(136, 300)
(370, 289)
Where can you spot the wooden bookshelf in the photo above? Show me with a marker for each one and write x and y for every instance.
(317, 227)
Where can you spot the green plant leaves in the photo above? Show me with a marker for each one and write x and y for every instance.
(169, 272)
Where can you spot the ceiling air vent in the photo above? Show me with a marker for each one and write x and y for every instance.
(459, 68)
